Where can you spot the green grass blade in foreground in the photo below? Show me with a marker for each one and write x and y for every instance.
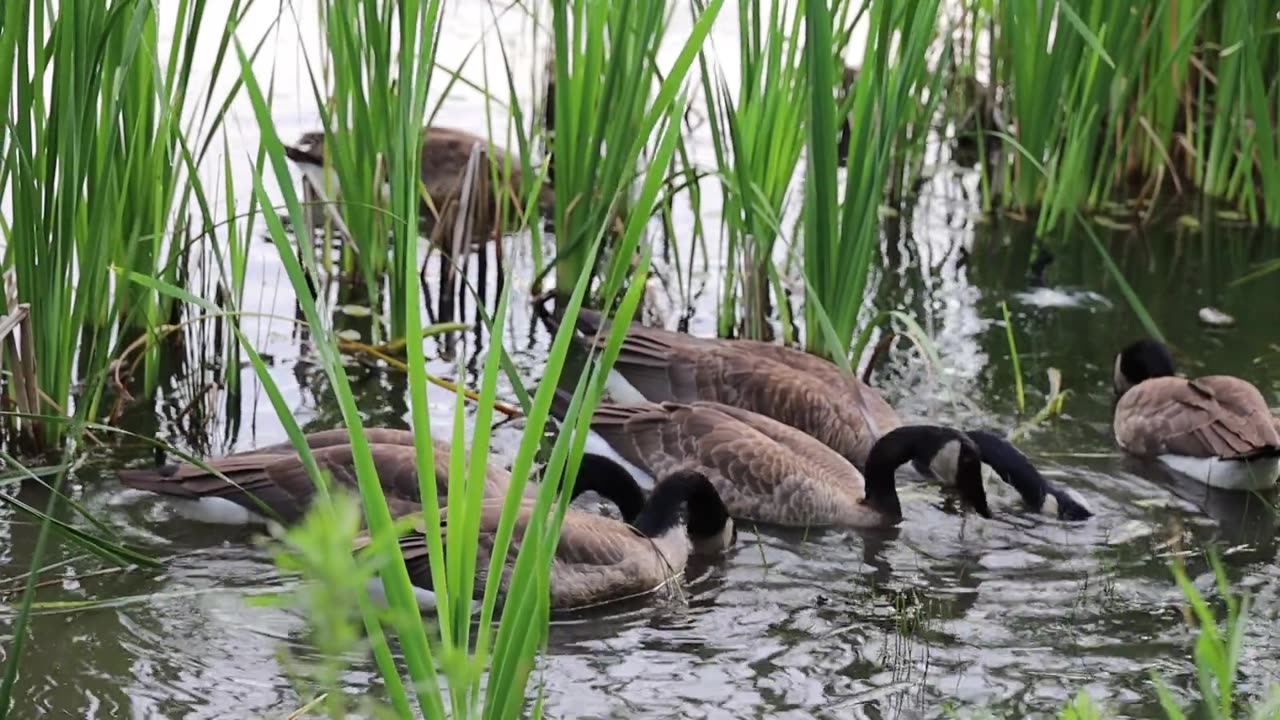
(399, 590)
(1013, 355)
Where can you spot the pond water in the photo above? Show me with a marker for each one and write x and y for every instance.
(1011, 615)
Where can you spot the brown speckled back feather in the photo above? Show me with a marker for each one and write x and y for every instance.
(764, 470)
(793, 387)
(598, 559)
(1215, 416)
(274, 482)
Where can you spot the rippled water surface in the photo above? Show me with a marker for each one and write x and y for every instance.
(1013, 614)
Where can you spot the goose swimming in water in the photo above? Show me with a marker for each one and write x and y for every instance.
(1216, 429)
(271, 482)
(600, 559)
(768, 472)
(796, 388)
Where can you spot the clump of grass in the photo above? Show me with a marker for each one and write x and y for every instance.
(100, 170)
(474, 670)
(609, 99)
(379, 58)
(841, 236)
(758, 134)
(1147, 98)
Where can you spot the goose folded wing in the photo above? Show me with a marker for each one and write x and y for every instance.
(1215, 416)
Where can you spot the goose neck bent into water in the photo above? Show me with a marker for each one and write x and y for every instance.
(1017, 471)
(927, 444)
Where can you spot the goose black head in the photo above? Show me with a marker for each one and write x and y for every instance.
(1141, 360)
(1015, 469)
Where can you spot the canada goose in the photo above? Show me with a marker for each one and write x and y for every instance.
(769, 472)
(599, 559)
(271, 483)
(1017, 471)
(1215, 429)
(793, 387)
(446, 152)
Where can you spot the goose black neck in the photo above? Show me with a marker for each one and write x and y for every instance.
(707, 513)
(890, 452)
(921, 443)
(612, 482)
(1012, 466)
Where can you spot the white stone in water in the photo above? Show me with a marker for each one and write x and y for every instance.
(1215, 317)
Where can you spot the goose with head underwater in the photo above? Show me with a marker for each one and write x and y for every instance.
(768, 472)
(794, 387)
(271, 482)
(1014, 469)
(1215, 429)
(599, 559)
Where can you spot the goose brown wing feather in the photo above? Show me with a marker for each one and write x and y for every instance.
(278, 483)
(776, 476)
(1214, 416)
(342, 436)
(795, 387)
(596, 557)
(824, 410)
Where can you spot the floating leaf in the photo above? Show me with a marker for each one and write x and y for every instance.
(356, 311)
(1215, 317)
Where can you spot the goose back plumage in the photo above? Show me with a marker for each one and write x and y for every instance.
(1214, 416)
(1216, 429)
(272, 483)
(597, 559)
(764, 470)
(793, 387)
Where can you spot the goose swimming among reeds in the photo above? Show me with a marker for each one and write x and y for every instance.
(769, 472)
(446, 153)
(600, 559)
(802, 390)
(1216, 429)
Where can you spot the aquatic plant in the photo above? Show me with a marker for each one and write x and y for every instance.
(447, 667)
(1146, 98)
(758, 133)
(606, 113)
(1217, 656)
(841, 236)
(97, 161)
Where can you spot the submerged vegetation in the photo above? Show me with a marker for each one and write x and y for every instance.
(118, 247)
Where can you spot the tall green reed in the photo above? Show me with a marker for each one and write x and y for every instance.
(471, 670)
(99, 157)
(606, 110)
(379, 56)
(757, 133)
(1127, 99)
(841, 235)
